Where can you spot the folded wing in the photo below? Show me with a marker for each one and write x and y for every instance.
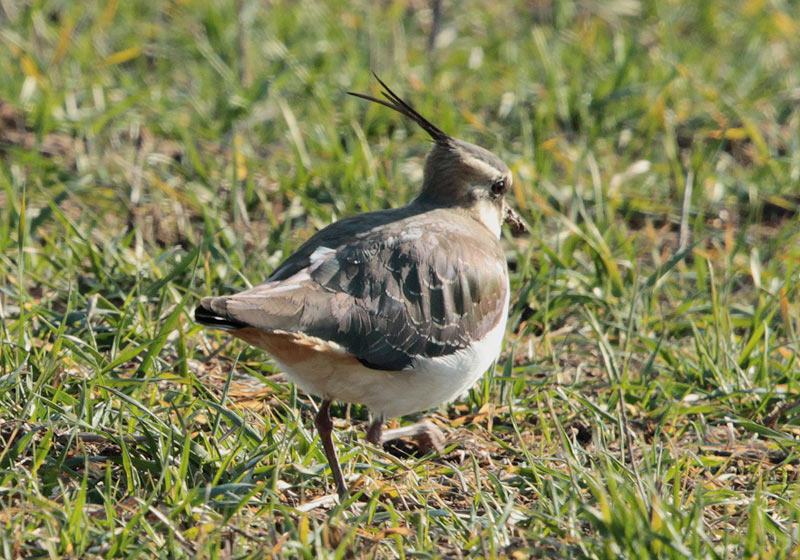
(387, 297)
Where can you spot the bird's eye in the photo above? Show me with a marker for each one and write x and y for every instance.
(499, 187)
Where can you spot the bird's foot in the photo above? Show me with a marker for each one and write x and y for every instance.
(425, 435)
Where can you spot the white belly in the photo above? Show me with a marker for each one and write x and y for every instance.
(428, 383)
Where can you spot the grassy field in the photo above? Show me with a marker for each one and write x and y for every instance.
(647, 401)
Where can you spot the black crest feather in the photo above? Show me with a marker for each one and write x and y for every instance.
(404, 108)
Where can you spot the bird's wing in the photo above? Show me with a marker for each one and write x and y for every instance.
(387, 296)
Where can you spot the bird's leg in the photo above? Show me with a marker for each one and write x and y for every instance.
(425, 434)
(325, 428)
(375, 431)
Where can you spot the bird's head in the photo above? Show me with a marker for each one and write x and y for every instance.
(459, 174)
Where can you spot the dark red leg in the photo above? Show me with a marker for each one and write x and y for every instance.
(325, 429)
(375, 431)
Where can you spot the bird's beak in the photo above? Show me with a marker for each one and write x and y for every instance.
(513, 220)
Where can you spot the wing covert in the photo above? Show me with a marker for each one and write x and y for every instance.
(412, 294)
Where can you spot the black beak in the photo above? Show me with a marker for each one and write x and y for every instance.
(514, 221)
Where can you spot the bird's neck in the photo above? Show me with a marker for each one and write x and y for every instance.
(483, 211)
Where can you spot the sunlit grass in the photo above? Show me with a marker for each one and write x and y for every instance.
(646, 403)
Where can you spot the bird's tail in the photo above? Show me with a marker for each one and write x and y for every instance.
(212, 312)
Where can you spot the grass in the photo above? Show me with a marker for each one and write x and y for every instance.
(647, 402)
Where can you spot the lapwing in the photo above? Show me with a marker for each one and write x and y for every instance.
(401, 309)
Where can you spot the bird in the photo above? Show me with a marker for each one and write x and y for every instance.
(398, 309)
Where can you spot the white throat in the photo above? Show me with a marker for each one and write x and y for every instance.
(489, 215)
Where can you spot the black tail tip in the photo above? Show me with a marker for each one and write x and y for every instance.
(208, 318)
